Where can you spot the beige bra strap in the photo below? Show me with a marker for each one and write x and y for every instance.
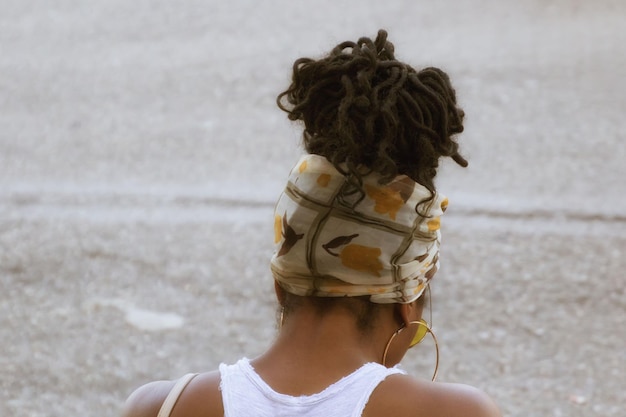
(173, 395)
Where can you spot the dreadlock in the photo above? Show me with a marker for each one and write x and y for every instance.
(363, 108)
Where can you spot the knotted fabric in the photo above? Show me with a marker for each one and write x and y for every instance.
(381, 242)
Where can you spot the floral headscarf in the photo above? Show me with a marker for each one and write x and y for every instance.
(330, 243)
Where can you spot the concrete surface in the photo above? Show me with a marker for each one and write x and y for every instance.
(141, 153)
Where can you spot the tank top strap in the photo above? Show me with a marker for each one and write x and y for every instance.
(172, 396)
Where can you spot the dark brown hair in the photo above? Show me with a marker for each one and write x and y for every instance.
(363, 108)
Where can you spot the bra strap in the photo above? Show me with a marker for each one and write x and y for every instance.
(173, 395)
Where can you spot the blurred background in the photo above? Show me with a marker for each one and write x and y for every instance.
(141, 153)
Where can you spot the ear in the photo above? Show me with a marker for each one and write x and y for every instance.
(409, 312)
(405, 312)
(281, 294)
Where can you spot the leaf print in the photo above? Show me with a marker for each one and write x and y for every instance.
(338, 241)
(434, 224)
(419, 288)
(404, 187)
(291, 237)
(323, 180)
(362, 258)
(387, 200)
(421, 258)
(432, 271)
(278, 229)
(444, 204)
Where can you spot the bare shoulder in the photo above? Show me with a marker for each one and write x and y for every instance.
(146, 400)
(465, 400)
(408, 396)
(200, 398)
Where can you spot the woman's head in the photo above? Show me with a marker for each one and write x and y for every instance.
(360, 213)
(363, 108)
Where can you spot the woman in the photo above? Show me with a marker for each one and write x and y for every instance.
(357, 242)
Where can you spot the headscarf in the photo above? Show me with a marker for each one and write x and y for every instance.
(382, 242)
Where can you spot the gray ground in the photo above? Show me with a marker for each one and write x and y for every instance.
(141, 153)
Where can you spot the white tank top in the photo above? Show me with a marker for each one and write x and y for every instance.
(245, 394)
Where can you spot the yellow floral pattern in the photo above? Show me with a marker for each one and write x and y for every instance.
(444, 204)
(278, 228)
(389, 199)
(354, 256)
(362, 258)
(434, 224)
(323, 180)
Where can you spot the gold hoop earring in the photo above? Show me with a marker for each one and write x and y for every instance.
(429, 330)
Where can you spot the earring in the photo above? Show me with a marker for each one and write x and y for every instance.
(282, 318)
(429, 330)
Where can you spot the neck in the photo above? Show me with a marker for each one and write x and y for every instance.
(332, 341)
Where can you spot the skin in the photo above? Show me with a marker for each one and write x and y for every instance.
(313, 351)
